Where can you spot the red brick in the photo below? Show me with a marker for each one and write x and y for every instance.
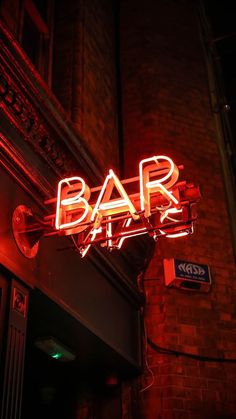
(166, 106)
(86, 58)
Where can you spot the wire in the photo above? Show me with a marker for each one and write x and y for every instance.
(168, 351)
(140, 283)
(152, 375)
(146, 361)
(75, 244)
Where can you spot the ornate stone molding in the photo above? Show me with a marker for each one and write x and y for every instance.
(36, 114)
(33, 130)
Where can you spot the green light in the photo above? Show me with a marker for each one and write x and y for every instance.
(56, 355)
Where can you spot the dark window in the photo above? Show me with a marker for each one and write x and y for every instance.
(43, 7)
(31, 40)
(35, 34)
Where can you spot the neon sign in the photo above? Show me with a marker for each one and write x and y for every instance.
(109, 215)
(155, 202)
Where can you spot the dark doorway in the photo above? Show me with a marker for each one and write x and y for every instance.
(77, 389)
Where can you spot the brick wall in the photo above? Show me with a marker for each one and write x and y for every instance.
(166, 109)
(84, 74)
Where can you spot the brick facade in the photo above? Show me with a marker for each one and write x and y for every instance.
(166, 110)
(84, 76)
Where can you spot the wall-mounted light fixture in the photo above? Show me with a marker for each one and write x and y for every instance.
(54, 349)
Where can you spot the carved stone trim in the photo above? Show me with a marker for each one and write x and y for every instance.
(35, 112)
(32, 129)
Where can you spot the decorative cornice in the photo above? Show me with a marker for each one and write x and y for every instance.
(32, 128)
(36, 113)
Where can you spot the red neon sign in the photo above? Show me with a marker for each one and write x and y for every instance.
(108, 214)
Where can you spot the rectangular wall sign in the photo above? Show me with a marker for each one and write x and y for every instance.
(188, 275)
